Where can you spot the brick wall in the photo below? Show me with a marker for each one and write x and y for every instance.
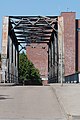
(69, 42)
(37, 53)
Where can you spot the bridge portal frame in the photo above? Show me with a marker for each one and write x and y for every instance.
(10, 43)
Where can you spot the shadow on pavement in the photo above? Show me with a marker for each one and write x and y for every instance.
(4, 97)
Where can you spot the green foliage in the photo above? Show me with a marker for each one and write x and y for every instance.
(27, 71)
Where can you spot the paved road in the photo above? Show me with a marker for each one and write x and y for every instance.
(29, 103)
(69, 98)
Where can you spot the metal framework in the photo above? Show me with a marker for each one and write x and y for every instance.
(31, 29)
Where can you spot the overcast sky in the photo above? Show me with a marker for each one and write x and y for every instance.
(37, 7)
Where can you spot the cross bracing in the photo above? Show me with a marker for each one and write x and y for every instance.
(33, 28)
(19, 30)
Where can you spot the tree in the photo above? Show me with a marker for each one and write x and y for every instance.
(27, 72)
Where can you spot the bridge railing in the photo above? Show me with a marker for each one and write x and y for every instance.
(53, 79)
(10, 78)
(0, 75)
(73, 78)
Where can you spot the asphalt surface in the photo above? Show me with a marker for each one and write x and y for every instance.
(68, 96)
(29, 103)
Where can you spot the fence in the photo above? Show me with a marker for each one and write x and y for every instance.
(10, 78)
(0, 75)
(73, 78)
(53, 79)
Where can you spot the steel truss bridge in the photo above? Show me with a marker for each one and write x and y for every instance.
(23, 30)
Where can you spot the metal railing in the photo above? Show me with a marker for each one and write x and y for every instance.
(73, 78)
(53, 79)
(0, 75)
(10, 78)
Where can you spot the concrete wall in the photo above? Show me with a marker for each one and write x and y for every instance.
(38, 54)
(69, 42)
(5, 27)
(9, 53)
(60, 49)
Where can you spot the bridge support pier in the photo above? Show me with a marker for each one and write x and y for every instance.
(9, 54)
(61, 50)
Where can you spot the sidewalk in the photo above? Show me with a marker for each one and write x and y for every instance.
(29, 103)
(68, 96)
